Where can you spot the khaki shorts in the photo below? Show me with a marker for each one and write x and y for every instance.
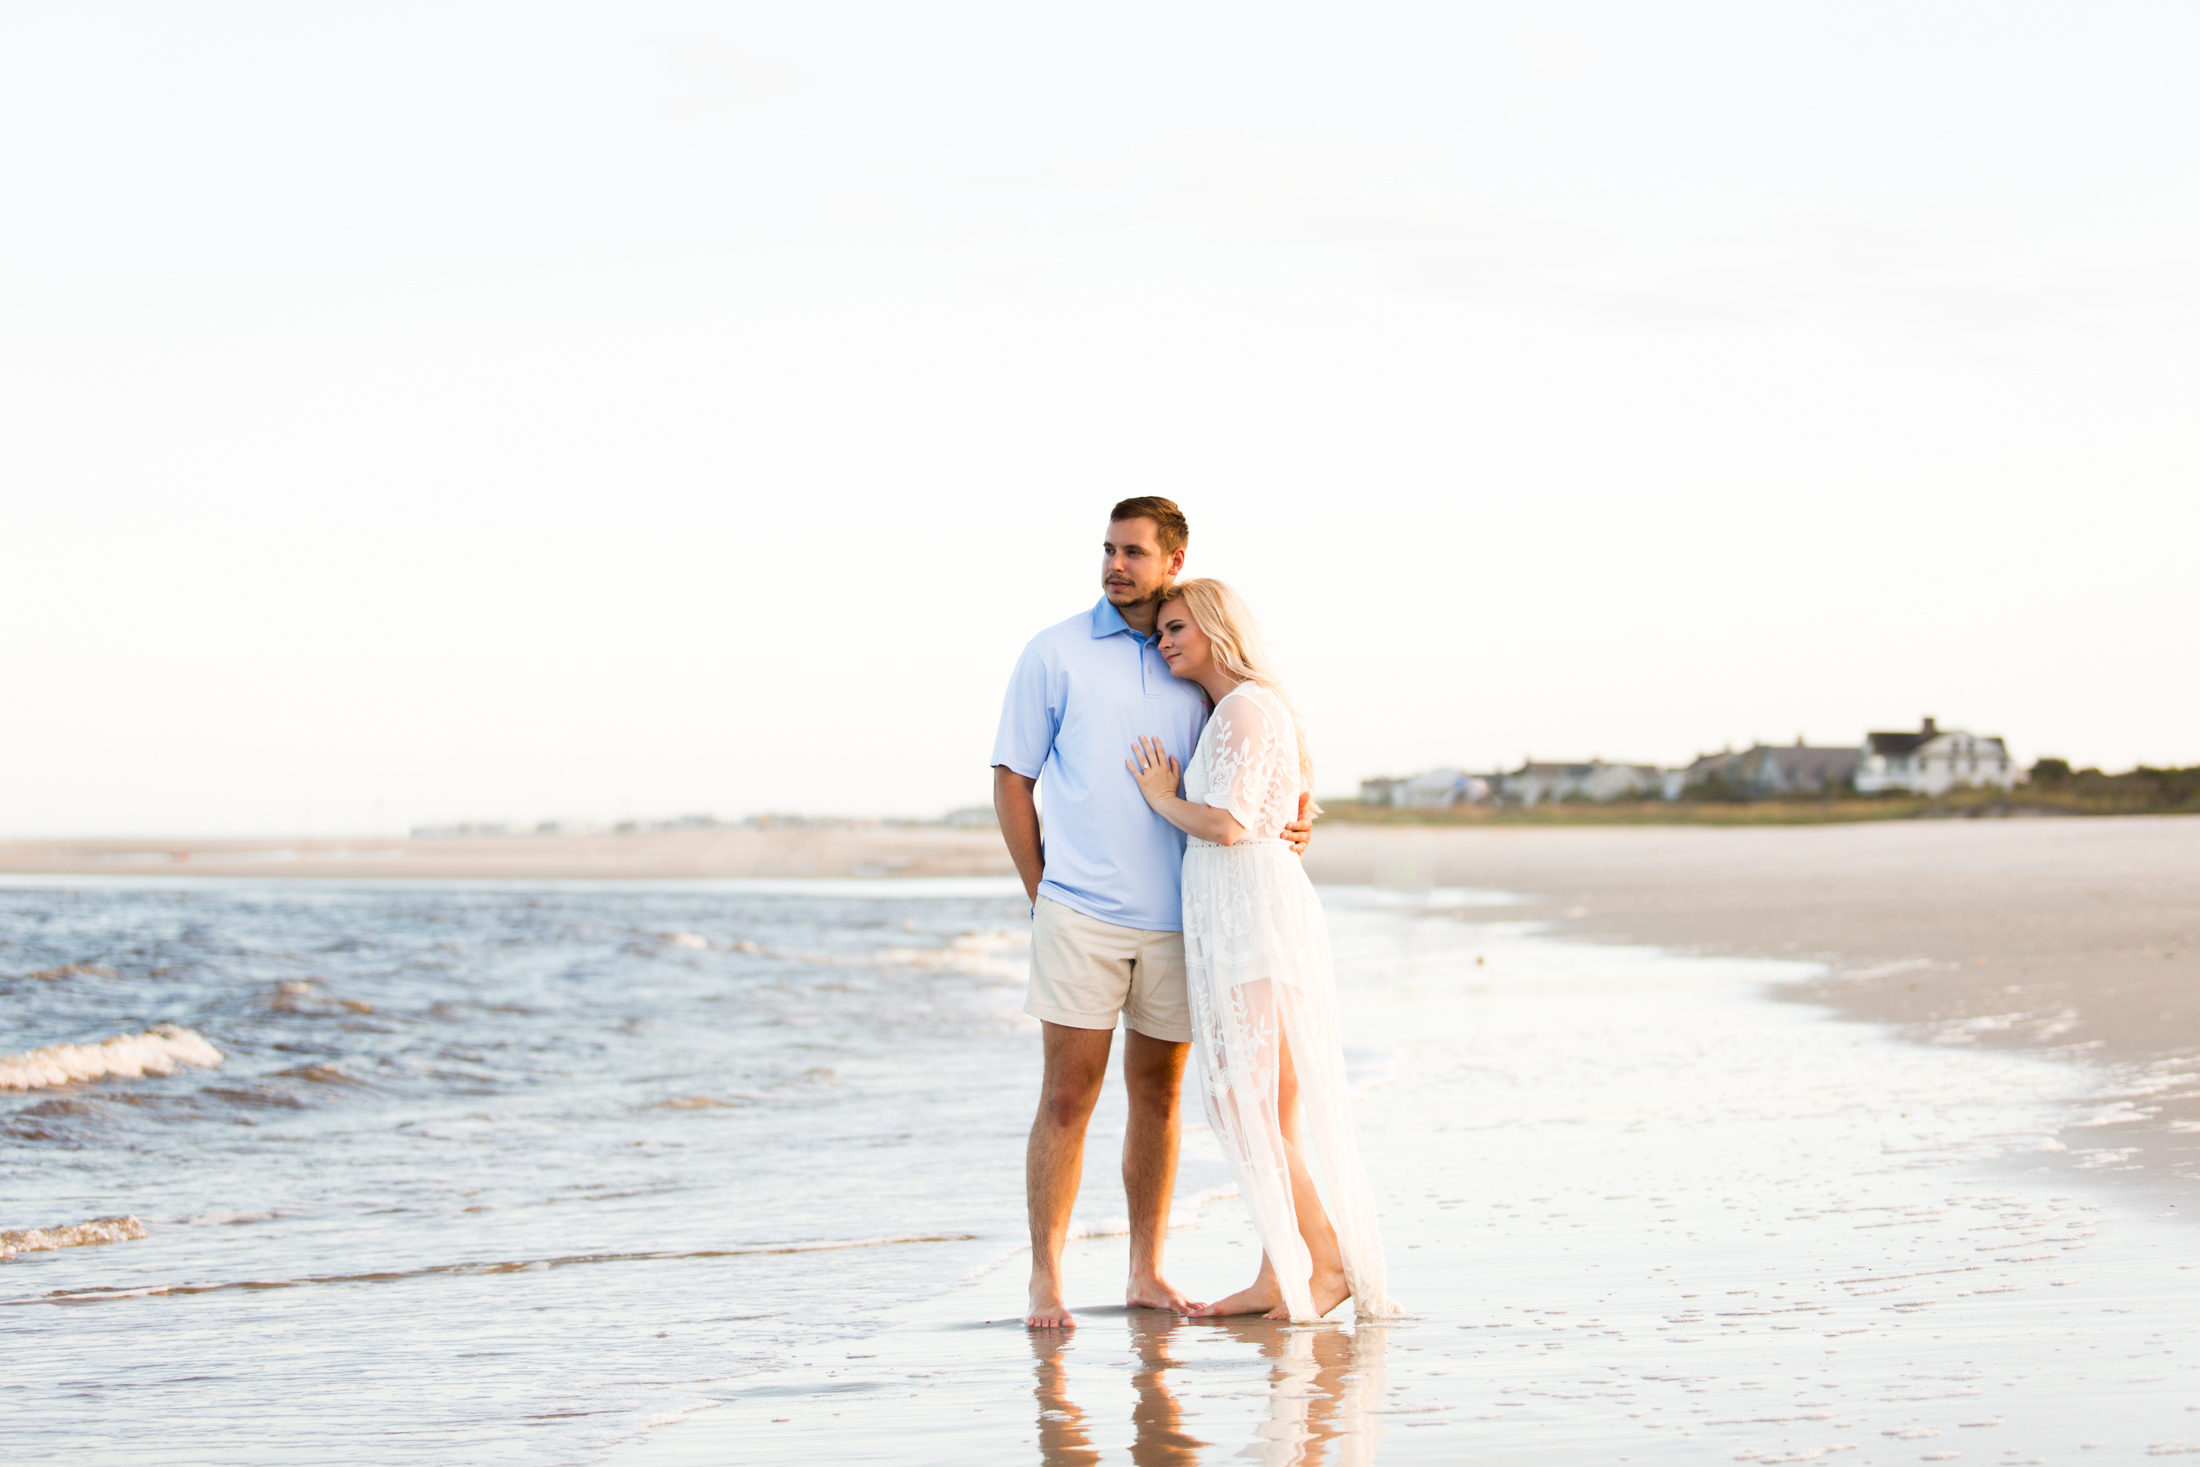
(1084, 972)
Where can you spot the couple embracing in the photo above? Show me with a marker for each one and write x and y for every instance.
(1167, 890)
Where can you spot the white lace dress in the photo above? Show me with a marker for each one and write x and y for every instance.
(1256, 952)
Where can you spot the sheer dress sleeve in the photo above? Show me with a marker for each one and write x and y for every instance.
(1248, 754)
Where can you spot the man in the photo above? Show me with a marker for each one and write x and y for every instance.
(1107, 935)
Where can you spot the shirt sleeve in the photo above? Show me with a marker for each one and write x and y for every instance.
(1031, 715)
(1246, 753)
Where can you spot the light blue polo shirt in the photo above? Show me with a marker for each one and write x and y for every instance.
(1082, 691)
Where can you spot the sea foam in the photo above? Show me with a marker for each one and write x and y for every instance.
(71, 1235)
(155, 1052)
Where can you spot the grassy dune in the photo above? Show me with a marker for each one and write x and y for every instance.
(2143, 791)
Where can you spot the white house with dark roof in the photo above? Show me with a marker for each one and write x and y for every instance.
(1933, 761)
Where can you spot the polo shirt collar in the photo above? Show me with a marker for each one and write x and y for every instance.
(1107, 621)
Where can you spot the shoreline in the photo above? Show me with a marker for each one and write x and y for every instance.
(1636, 1210)
(2078, 938)
(2075, 939)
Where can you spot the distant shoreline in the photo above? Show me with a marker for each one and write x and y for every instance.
(2052, 788)
(2077, 937)
(1964, 805)
(814, 851)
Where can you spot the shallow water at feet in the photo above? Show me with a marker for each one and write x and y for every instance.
(1644, 1214)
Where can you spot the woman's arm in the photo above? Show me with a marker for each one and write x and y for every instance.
(1157, 776)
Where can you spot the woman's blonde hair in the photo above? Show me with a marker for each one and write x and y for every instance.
(1228, 622)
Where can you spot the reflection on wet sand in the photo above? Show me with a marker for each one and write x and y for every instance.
(1324, 1387)
(1063, 1440)
(1161, 1440)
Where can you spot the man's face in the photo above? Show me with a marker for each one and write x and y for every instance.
(1133, 568)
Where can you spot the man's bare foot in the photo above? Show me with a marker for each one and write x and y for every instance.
(1155, 1292)
(1330, 1290)
(1258, 1299)
(1047, 1309)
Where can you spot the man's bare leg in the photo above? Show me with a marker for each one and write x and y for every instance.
(1054, 1161)
(1153, 1077)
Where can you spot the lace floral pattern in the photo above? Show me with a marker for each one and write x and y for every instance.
(1257, 961)
(1247, 762)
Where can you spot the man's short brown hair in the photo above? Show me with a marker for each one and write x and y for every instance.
(1168, 521)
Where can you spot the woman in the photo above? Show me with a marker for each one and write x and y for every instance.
(1256, 951)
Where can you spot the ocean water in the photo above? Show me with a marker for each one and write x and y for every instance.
(537, 1172)
(488, 1173)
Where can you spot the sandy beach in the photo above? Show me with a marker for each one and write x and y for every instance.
(2078, 937)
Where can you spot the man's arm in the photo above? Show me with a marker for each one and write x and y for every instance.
(1018, 813)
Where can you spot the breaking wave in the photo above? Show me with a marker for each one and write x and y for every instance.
(155, 1052)
(70, 1235)
(995, 954)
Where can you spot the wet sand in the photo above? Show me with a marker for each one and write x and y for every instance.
(1641, 1215)
(2080, 937)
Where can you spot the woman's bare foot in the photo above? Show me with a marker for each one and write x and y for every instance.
(1330, 1290)
(1258, 1299)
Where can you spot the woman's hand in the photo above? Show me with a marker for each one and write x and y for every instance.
(1157, 774)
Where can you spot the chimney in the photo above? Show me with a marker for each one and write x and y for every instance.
(1931, 728)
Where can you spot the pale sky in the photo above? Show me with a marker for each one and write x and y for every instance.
(430, 412)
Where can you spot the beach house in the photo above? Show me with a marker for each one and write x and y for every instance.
(1533, 783)
(1767, 771)
(1438, 789)
(1933, 761)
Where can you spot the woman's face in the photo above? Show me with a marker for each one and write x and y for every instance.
(1183, 645)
